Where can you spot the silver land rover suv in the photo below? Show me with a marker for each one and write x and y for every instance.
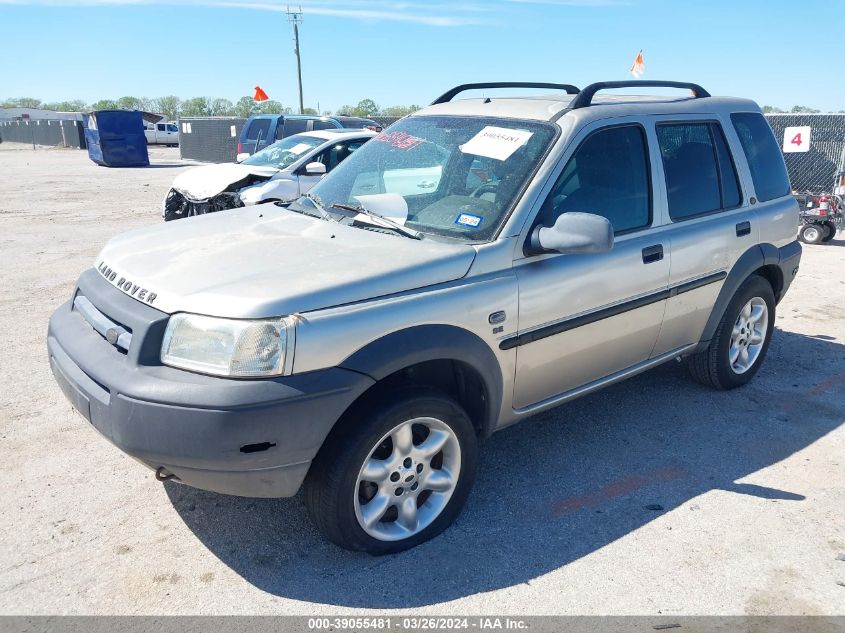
(477, 262)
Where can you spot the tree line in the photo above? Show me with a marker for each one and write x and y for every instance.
(173, 107)
(799, 109)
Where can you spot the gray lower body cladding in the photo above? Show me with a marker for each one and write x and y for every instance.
(244, 437)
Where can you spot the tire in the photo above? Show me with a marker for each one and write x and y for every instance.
(338, 494)
(715, 366)
(830, 231)
(811, 233)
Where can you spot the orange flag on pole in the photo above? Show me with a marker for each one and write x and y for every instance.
(638, 67)
(260, 95)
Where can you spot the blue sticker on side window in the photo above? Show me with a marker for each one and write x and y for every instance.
(468, 219)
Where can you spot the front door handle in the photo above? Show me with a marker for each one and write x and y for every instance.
(743, 228)
(652, 253)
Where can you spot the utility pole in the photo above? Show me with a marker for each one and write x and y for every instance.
(295, 18)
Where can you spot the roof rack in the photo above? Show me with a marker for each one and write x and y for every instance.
(585, 97)
(448, 96)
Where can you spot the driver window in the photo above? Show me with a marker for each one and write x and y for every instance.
(608, 175)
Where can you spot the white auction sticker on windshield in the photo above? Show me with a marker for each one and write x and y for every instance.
(299, 148)
(496, 142)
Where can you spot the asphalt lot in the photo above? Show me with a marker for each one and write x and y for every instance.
(655, 496)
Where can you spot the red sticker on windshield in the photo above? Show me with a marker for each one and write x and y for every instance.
(399, 140)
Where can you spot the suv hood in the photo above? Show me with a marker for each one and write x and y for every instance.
(201, 183)
(267, 261)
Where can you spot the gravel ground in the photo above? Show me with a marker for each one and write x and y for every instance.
(655, 496)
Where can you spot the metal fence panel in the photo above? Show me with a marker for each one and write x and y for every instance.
(210, 139)
(385, 121)
(814, 169)
(50, 132)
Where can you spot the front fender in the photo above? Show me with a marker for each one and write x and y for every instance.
(405, 348)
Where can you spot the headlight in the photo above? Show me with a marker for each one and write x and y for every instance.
(226, 347)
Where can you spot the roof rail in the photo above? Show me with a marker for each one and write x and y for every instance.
(448, 96)
(585, 97)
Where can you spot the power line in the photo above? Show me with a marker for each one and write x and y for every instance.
(295, 18)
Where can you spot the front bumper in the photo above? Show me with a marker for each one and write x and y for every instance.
(243, 437)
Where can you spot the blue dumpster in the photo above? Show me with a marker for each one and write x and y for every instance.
(115, 138)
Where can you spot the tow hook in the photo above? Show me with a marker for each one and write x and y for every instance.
(162, 474)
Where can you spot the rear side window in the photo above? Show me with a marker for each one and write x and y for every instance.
(258, 127)
(324, 125)
(700, 175)
(768, 171)
(295, 126)
(608, 175)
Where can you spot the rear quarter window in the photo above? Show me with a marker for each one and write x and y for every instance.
(768, 171)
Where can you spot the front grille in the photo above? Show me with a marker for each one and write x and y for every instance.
(116, 334)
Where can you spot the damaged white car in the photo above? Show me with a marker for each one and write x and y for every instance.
(283, 171)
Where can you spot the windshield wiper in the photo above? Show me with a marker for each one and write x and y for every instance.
(404, 230)
(318, 204)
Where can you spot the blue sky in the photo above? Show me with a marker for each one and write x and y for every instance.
(394, 52)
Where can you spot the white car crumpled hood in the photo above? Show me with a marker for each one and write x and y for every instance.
(267, 261)
(201, 183)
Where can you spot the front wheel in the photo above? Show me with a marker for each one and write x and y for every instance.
(395, 474)
(811, 233)
(741, 340)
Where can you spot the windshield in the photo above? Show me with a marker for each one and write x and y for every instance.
(459, 176)
(284, 152)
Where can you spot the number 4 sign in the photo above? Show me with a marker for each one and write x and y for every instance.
(796, 139)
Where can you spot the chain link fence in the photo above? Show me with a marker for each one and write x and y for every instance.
(210, 139)
(817, 155)
(50, 132)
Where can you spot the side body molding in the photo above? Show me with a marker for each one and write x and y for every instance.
(411, 346)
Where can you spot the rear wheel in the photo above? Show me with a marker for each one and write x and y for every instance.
(741, 340)
(811, 233)
(830, 231)
(395, 474)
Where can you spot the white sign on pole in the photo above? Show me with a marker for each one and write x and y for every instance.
(796, 139)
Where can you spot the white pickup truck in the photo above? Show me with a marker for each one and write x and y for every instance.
(162, 134)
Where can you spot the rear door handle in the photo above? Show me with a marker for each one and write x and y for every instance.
(652, 253)
(743, 228)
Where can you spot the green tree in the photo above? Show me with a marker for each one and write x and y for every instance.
(222, 107)
(312, 111)
(772, 110)
(365, 107)
(103, 104)
(198, 106)
(130, 103)
(22, 102)
(799, 109)
(243, 108)
(272, 107)
(399, 110)
(168, 106)
(76, 105)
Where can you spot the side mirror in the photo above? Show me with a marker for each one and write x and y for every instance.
(315, 169)
(574, 233)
